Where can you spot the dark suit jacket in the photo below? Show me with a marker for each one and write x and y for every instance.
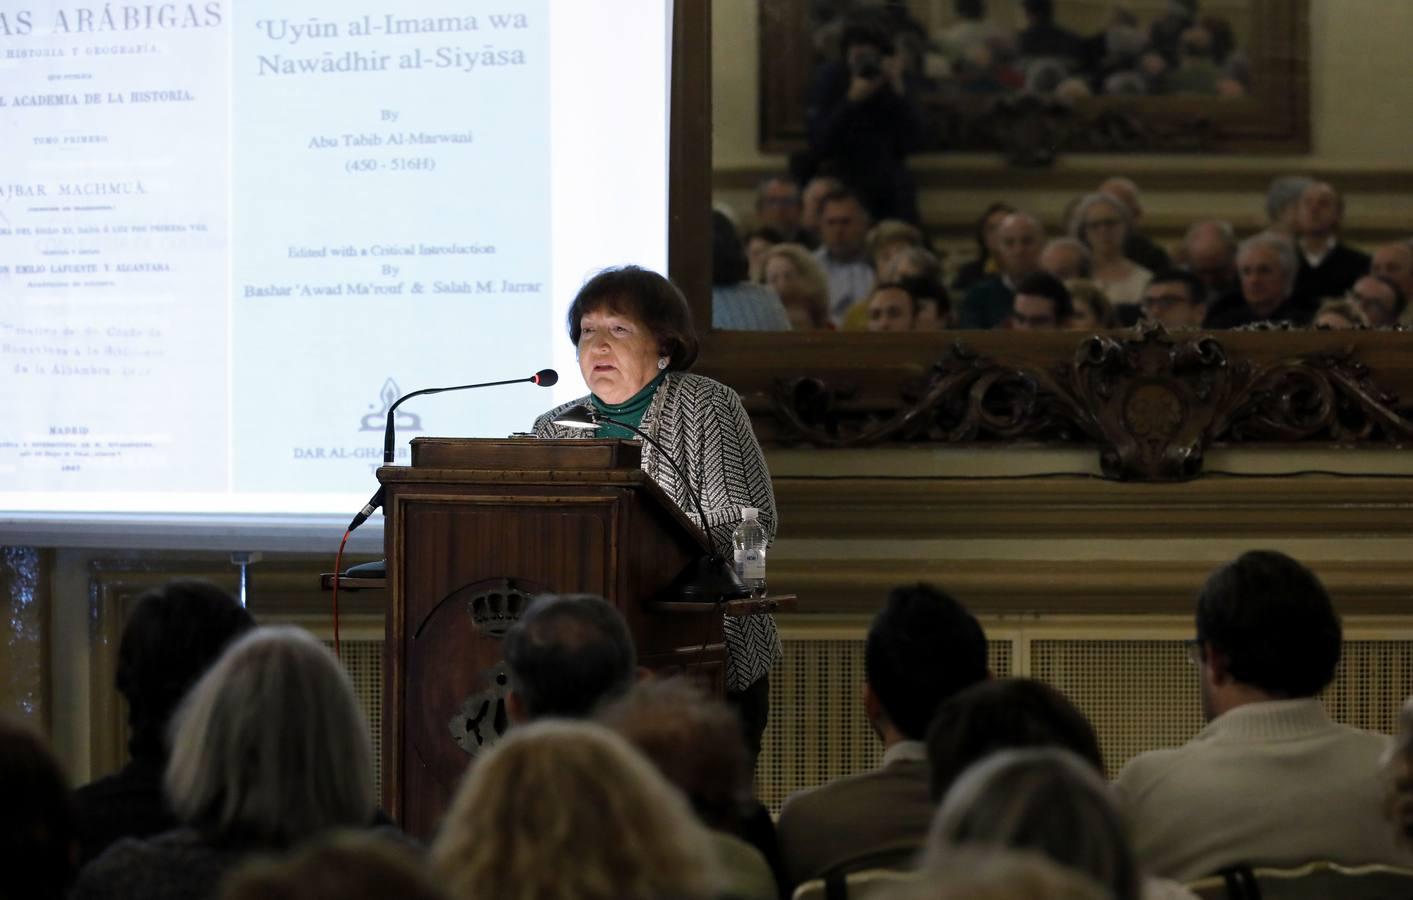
(851, 817)
(126, 804)
(1335, 274)
(1231, 311)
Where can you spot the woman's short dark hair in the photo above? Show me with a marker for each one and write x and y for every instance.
(1004, 714)
(174, 634)
(1272, 620)
(728, 255)
(647, 297)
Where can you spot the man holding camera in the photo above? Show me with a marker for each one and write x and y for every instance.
(863, 121)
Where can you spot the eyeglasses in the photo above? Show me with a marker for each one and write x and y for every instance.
(1193, 647)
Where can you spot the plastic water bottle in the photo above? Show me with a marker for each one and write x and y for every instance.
(749, 541)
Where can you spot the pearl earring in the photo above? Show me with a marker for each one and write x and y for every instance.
(662, 362)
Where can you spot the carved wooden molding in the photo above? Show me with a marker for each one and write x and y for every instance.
(1152, 403)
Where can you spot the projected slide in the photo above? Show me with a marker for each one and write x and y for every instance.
(231, 233)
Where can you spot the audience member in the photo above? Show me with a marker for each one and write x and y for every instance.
(887, 239)
(1046, 800)
(988, 303)
(1328, 267)
(779, 208)
(912, 262)
(1090, 308)
(932, 308)
(1271, 780)
(1339, 314)
(1283, 203)
(863, 122)
(987, 249)
(695, 741)
(1266, 267)
(38, 842)
(757, 244)
(1102, 223)
(1209, 252)
(812, 206)
(1066, 258)
(567, 655)
(799, 282)
(269, 749)
(1379, 301)
(922, 648)
(1137, 246)
(1177, 298)
(627, 834)
(736, 303)
(1395, 262)
(174, 634)
(841, 253)
(986, 873)
(1041, 303)
(891, 308)
(345, 866)
(1004, 714)
(1041, 38)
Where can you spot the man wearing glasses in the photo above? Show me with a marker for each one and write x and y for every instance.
(1271, 780)
(1379, 299)
(1177, 298)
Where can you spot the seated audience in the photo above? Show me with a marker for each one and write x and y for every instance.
(890, 308)
(566, 656)
(1339, 314)
(1328, 266)
(1091, 309)
(736, 303)
(695, 742)
(922, 648)
(174, 634)
(988, 303)
(779, 208)
(1065, 258)
(844, 224)
(1283, 203)
(799, 282)
(1137, 246)
(1041, 304)
(986, 873)
(1042, 38)
(346, 866)
(757, 244)
(1177, 298)
(38, 842)
(1209, 252)
(1046, 800)
(1271, 780)
(1379, 300)
(1395, 262)
(569, 809)
(1102, 223)
(987, 249)
(1004, 714)
(932, 307)
(812, 206)
(269, 750)
(888, 238)
(1266, 268)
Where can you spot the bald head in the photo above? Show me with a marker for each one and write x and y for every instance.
(1125, 191)
(1395, 262)
(1019, 240)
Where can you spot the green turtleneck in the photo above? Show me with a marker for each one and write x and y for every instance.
(630, 411)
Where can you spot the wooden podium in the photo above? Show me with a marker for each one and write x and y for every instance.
(473, 530)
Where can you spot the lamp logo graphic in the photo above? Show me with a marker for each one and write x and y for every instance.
(377, 419)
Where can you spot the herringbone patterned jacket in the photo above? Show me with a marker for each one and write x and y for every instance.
(703, 425)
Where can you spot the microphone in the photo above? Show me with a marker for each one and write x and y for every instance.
(709, 577)
(543, 378)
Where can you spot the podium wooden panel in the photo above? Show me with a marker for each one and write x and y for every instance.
(475, 528)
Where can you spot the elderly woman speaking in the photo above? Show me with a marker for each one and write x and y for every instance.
(635, 341)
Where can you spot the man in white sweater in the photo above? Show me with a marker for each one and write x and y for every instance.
(1271, 780)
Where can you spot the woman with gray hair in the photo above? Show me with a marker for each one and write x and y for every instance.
(1051, 802)
(1102, 223)
(269, 749)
